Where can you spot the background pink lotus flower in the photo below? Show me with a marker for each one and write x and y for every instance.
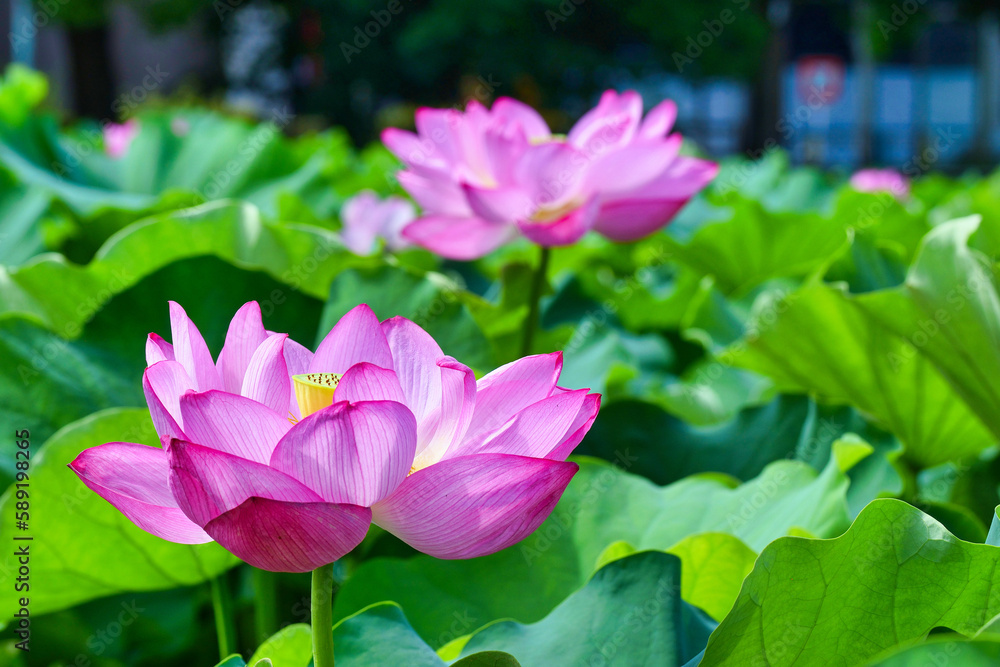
(118, 137)
(881, 180)
(366, 218)
(485, 175)
(387, 428)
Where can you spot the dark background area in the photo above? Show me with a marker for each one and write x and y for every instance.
(899, 70)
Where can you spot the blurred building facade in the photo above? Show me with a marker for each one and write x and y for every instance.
(935, 106)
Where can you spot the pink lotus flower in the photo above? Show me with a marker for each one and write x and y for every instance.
(118, 137)
(486, 175)
(383, 428)
(366, 218)
(881, 180)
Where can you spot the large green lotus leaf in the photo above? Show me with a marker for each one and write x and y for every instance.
(64, 295)
(869, 265)
(127, 629)
(970, 196)
(629, 613)
(22, 209)
(756, 245)
(289, 647)
(716, 321)
(945, 650)
(710, 393)
(654, 296)
(602, 505)
(21, 90)
(211, 291)
(893, 577)
(770, 179)
(232, 661)
(47, 382)
(668, 448)
(201, 152)
(883, 219)
(433, 301)
(615, 363)
(182, 157)
(790, 426)
(949, 310)
(601, 354)
(712, 571)
(824, 343)
(381, 635)
(713, 566)
(82, 547)
(637, 284)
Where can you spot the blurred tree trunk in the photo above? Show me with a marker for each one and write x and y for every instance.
(864, 65)
(91, 70)
(988, 68)
(765, 104)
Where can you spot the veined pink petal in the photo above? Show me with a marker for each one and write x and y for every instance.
(578, 429)
(309, 534)
(445, 428)
(504, 204)
(246, 333)
(619, 172)
(551, 174)
(473, 505)
(459, 238)
(134, 478)
(414, 357)
(207, 482)
(567, 230)
(685, 177)
(436, 195)
(440, 392)
(441, 126)
(368, 382)
(297, 358)
(659, 120)
(612, 123)
(628, 220)
(163, 383)
(653, 205)
(191, 351)
(534, 431)
(158, 349)
(511, 388)
(504, 147)
(350, 453)
(419, 154)
(267, 379)
(469, 129)
(355, 338)
(233, 424)
(511, 111)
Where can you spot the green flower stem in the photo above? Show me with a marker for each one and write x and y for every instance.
(322, 616)
(225, 622)
(265, 587)
(535, 298)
